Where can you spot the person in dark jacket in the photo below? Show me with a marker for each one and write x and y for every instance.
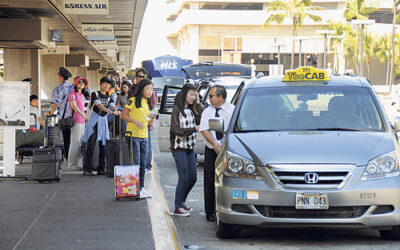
(184, 119)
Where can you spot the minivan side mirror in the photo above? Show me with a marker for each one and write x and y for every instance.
(216, 124)
(396, 125)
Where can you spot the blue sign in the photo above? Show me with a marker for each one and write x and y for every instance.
(55, 36)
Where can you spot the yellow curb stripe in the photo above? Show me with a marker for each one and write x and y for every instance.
(168, 219)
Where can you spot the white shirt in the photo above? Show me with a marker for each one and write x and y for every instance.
(225, 113)
(32, 121)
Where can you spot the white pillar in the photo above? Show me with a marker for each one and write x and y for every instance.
(9, 152)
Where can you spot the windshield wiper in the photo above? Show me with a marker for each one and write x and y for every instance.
(337, 129)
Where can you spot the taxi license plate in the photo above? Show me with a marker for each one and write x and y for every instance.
(311, 201)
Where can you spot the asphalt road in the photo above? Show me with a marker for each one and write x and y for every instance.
(77, 213)
(195, 230)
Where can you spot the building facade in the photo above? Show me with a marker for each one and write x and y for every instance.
(234, 32)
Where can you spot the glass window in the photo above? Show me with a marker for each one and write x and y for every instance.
(160, 82)
(293, 108)
(205, 70)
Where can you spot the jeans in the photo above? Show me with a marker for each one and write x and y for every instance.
(87, 166)
(187, 175)
(67, 138)
(149, 151)
(75, 145)
(139, 150)
(209, 177)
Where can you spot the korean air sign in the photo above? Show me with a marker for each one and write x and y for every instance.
(86, 7)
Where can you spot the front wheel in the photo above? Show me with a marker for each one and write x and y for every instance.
(393, 234)
(226, 231)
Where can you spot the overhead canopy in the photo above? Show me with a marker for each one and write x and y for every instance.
(124, 15)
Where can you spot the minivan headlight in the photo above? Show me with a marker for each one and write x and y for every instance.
(239, 166)
(383, 166)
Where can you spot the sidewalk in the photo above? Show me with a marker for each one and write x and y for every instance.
(78, 213)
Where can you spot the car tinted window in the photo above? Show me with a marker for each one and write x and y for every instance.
(209, 71)
(160, 82)
(309, 108)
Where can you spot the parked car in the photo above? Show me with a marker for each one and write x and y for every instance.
(308, 150)
(228, 75)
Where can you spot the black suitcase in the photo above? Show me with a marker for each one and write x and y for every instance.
(46, 163)
(117, 152)
(95, 155)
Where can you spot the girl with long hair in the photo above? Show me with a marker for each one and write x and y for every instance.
(137, 112)
(184, 119)
(122, 99)
(76, 100)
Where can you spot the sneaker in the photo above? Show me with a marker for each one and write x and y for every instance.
(181, 212)
(88, 173)
(75, 168)
(144, 193)
(101, 171)
(187, 208)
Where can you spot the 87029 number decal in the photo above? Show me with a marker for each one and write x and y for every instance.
(367, 196)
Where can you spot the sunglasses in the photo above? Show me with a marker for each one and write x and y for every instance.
(140, 77)
(211, 96)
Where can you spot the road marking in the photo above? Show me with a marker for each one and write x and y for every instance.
(39, 215)
(162, 225)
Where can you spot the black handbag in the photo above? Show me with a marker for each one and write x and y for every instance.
(68, 122)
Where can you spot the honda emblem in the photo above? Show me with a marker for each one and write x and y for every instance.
(311, 178)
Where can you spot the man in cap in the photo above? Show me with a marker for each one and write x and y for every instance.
(59, 99)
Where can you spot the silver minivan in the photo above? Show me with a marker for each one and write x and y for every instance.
(308, 150)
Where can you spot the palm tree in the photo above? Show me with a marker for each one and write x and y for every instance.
(384, 53)
(371, 49)
(296, 10)
(392, 70)
(340, 29)
(358, 9)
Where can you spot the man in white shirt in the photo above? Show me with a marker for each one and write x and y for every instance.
(219, 108)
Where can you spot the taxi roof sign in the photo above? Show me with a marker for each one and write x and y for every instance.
(306, 74)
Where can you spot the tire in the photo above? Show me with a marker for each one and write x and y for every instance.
(393, 234)
(226, 231)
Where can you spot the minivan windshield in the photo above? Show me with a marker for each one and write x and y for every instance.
(294, 108)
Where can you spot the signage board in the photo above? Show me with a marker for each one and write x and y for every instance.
(98, 32)
(56, 36)
(306, 74)
(86, 7)
(14, 105)
(56, 50)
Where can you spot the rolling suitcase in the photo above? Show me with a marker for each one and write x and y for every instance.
(46, 163)
(127, 181)
(117, 153)
(95, 155)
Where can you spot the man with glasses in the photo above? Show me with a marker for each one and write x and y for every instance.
(59, 99)
(222, 109)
